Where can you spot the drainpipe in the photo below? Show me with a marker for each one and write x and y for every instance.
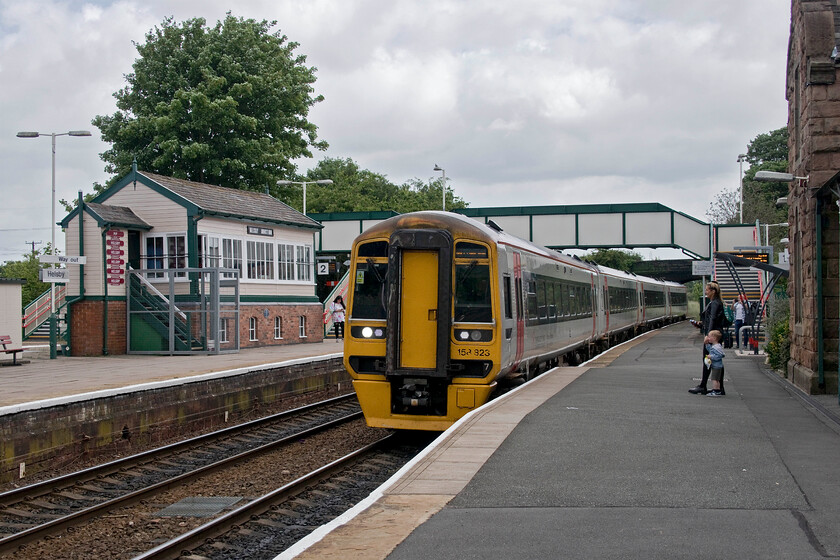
(81, 244)
(819, 277)
(105, 299)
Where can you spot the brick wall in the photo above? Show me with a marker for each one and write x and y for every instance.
(813, 94)
(87, 325)
(289, 314)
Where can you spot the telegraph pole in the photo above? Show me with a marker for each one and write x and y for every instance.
(33, 243)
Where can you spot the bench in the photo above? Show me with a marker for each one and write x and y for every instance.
(6, 340)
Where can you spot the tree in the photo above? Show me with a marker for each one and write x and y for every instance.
(724, 208)
(613, 258)
(28, 269)
(226, 105)
(355, 189)
(765, 152)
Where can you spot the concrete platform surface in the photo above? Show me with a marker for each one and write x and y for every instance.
(66, 376)
(615, 460)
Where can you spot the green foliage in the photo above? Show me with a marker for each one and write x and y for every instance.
(778, 332)
(225, 105)
(27, 269)
(613, 258)
(356, 189)
(767, 152)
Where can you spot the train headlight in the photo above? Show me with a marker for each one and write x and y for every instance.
(473, 335)
(371, 333)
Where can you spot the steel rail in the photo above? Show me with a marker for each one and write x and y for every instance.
(38, 531)
(174, 548)
(47, 486)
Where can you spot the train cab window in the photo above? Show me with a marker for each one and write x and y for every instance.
(472, 292)
(369, 297)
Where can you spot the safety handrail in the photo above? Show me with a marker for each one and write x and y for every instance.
(38, 311)
(157, 292)
(339, 290)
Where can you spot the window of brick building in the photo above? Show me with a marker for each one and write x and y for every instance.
(278, 328)
(303, 326)
(252, 328)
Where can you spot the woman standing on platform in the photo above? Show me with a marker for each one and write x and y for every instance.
(713, 320)
(337, 311)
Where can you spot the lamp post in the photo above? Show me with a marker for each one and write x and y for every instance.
(321, 182)
(767, 231)
(741, 158)
(441, 169)
(30, 134)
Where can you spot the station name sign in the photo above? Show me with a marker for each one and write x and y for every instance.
(53, 275)
(256, 230)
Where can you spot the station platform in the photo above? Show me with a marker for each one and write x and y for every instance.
(69, 378)
(615, 459)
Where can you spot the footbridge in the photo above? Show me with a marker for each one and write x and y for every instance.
(592, 226)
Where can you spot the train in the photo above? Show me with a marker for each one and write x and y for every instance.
(442, 309)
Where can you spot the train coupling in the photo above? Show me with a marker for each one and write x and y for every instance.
(415, 393)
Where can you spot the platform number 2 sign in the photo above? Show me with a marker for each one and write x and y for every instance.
(323, 268)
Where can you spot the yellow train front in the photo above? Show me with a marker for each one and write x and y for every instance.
(422, 342)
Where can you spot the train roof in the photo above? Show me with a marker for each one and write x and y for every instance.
(465, 226)
(468, 227)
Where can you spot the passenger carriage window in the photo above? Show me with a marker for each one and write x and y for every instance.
(532, 299)
(551, 294)
(542, 308)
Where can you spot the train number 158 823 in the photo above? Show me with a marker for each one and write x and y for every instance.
(477, 352)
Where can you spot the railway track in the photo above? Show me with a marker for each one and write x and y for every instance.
(266, 526)
(35, 511)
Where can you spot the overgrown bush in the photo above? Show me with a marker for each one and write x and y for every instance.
(778, 333)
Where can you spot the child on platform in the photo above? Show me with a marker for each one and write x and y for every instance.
(715, 361)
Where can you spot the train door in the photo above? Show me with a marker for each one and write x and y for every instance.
(418, 309)
(519, 346)
(419, 303)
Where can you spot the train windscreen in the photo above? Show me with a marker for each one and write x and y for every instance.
(369, 293)
(472, 293)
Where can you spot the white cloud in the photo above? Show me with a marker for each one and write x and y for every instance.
(526, 103)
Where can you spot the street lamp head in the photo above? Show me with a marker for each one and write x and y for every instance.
(28, 134)
(437, 168)
(776, 177)
(79, 133)
(324, 182)
(284, 182)
(741, 158)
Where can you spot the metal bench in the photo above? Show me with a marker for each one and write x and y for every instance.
(6, 340)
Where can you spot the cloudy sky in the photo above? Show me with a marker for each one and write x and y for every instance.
(529, 102)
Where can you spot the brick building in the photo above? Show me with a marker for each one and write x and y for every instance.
(813, 93)
(174, 266)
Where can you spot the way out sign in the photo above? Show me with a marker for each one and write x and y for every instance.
(62, 259)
